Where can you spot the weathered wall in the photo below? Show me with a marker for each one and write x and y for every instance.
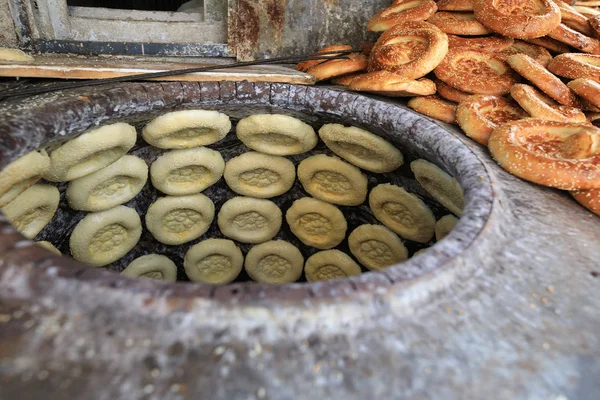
(8, 36)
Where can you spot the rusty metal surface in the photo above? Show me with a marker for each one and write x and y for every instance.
(509, 313)
(262, 28)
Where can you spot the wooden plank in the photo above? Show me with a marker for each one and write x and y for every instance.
(98, 68)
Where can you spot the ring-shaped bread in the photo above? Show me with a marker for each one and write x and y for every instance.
(547, 82)
(455, 5)
(259, 175)
(22, 173)
(458, 23)
(549, 44)
(249, 220)
(576, 65)
(111, 186)
(439, 184)
(213, 261)
(402, 212)
(332, 180)
(33, 209)
(475, 71)
(356, 62)
(518, 19)
(330, 264)
(390, 84)
(152, 266)
(434, 107)
(306, 65)
(563, 155)
(590, 199)
(316, 223)
(577, 40)
(488, 43)
(104, 237)
(273, 262)
(479, 115)
(538, 53)
(345, 79)
(574, 19)
(361, 148)
(444, 225)
(187, 128)
(376, 247)
(276, 134)
(90, 152)
(449, 93)
(411, 50)
(540, 106)
(586, 11)
(401, 11)
(586, 88)
(176, 220)
(186, 171)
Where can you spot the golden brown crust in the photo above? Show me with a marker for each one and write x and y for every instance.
(434, 107)
(589, 89)
(534, 72)
(479, 115)
(390, 84)
(590, 199)
(345, 80)
(411, 49)
(455, 5)
(557, 154)
(475, 71)
(574, 65)
(564, 34)
(458, 23)
(449, 93)
(306, 65)
(332, 68)
(540, 106)
(401, 11)
(573, 18)
(518, 19)
(550, 44)
(538, 53)
(489, 43)
(594, 23)
(588, 12)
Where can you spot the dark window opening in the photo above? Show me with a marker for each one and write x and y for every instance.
(144, 5)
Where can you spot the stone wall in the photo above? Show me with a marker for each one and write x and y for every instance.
(8, 36)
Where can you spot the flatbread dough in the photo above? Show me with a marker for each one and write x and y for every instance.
(7, 54)
(104, 237)
(152, 266)
(440, 185)
(402, 212)
(90, 152)
(21, 174)
(276, 261)
(444, 226)
(187, 171)
(333, 180)
(260, 175)
(249, 220)
(109, 187)
(276, 134)
(361, 148)
(316, 223)
(376, 247)
(213, 261)
(179, 219)
(33, 209)
(187, 128)
(330, 264)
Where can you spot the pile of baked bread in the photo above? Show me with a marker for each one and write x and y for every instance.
(521, 77)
